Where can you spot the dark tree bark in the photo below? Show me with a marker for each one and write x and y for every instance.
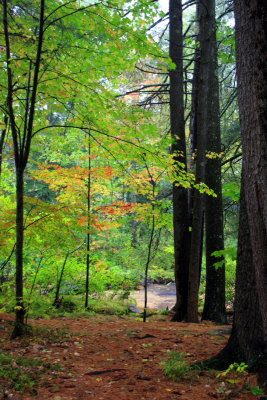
(57, 301)
(22, 142)
(247, 338)
(251, 37)
(180, 197)
(152, 232)
(250, 321)
(88, 235)
(205, 31)
(247, 342)
(195, 99)
(214, 307)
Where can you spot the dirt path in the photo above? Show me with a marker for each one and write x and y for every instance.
(119, 359)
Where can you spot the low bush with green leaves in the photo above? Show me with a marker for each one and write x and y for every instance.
(232, 376)
(241, 369)
(176, 368)
(109, 306)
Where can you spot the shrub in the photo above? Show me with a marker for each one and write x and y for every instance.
(175, 367)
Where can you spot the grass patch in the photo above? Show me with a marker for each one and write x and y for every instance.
(109, 306)
(73, 307)
(22, 374)
(50, 335)
(176, 368)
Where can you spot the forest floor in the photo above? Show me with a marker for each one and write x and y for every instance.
(112, 358)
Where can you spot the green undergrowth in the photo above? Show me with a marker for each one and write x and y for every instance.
(73, 307)
(234, 379)
(176, 368)
(21, 373)
(39, 333)
(110, 306)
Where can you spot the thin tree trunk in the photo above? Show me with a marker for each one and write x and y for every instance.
(148, 260)
(20, 308)
(56, 302)
(134, 223)
(149, 249)
(180, 197)
(32, 287)
(153, 183)
(88, 236)
(2, 141)
(22, 143)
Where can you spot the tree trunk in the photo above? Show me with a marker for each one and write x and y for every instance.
(2, 141)
(214, 307)
(180, 198)
(250, 321)
(20, 308)
(195, 98)
(251, 36)
(148, 261)
(22, 142)
(88, 235)
(245, 342)
(205, 30)
(249, 340)
(56, 302)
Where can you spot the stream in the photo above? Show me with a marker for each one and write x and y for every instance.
(160, 297)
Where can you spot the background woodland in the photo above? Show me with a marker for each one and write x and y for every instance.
(120, 155)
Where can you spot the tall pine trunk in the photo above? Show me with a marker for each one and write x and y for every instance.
(214, 307)
(251, 38)
(247, 338)
(180, 197)
(250, 316)
(205, 30)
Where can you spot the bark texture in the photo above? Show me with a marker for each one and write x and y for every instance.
(247, 338)
(205, 31)
(214, 307)
(22, 137)
(180, 198)
(20, 308)
(251, 36)
(250, 321)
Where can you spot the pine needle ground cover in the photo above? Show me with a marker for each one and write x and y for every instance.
(109, 357)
